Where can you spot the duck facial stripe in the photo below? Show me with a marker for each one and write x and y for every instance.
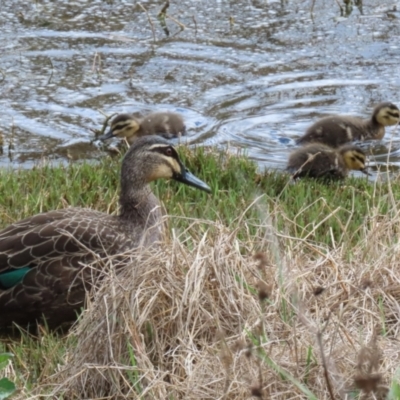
(120, 125)
(165, 149)
(160, 171)
(123, 125)
(394, 114)
(170, 156)
(359, 158)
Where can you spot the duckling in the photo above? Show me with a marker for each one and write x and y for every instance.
(165, 124)
(43, 257)
(336, 130)
(317, 160)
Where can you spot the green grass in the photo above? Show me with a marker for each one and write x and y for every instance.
(329, 214)
(7, 388)
(35, 357)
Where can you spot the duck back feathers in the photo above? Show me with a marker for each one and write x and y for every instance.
(165, 124)
(337, 130)
(317, 160)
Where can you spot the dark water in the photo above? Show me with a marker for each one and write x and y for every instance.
(248, 74)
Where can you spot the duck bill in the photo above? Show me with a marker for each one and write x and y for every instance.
(364, 171)
(189, 179)
(106, 136)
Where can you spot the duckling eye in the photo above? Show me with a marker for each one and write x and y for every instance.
(168, 152)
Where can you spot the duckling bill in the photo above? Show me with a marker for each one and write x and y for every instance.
(165, 124)
(337, 130)
(320, 161)
(43, 257)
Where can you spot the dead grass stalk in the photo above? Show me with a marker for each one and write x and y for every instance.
(202, 318)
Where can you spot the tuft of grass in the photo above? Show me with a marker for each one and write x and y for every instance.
(7, 388)
(394, 392)
(35, 357)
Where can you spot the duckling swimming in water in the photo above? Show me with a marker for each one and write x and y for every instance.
(336, 130)
(317, 160)
(165, 124)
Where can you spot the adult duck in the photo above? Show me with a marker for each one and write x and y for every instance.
(43, 258)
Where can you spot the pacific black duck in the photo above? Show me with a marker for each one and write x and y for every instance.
(42, 258)
(317, 160)
(336, 130)
(165, 124)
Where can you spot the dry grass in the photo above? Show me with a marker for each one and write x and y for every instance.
(218, 317)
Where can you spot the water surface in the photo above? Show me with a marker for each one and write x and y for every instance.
(248, 74)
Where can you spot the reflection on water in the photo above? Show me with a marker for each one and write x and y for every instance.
(251, 74)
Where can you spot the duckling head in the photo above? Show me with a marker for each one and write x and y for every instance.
(386, 114)
(151, 158)
(123, 126)
(354, 158)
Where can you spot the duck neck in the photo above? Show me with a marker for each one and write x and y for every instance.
(372, 122)
(374, 129)
(139, 205)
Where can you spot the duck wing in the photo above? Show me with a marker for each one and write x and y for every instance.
(53, 235)
(54, 290)
(45, 264)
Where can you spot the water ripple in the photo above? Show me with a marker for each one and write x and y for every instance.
(250, 74)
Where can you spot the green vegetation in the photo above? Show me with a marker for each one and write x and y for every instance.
(331, 214)
(7, 388)
(308, 222)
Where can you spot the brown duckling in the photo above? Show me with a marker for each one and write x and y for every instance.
(336, 130)
(165, 124)
(317, 160)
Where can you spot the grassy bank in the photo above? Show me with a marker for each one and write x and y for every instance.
(331, 214)
(205, 318)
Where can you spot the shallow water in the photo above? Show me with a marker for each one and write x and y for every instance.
(248, 74)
